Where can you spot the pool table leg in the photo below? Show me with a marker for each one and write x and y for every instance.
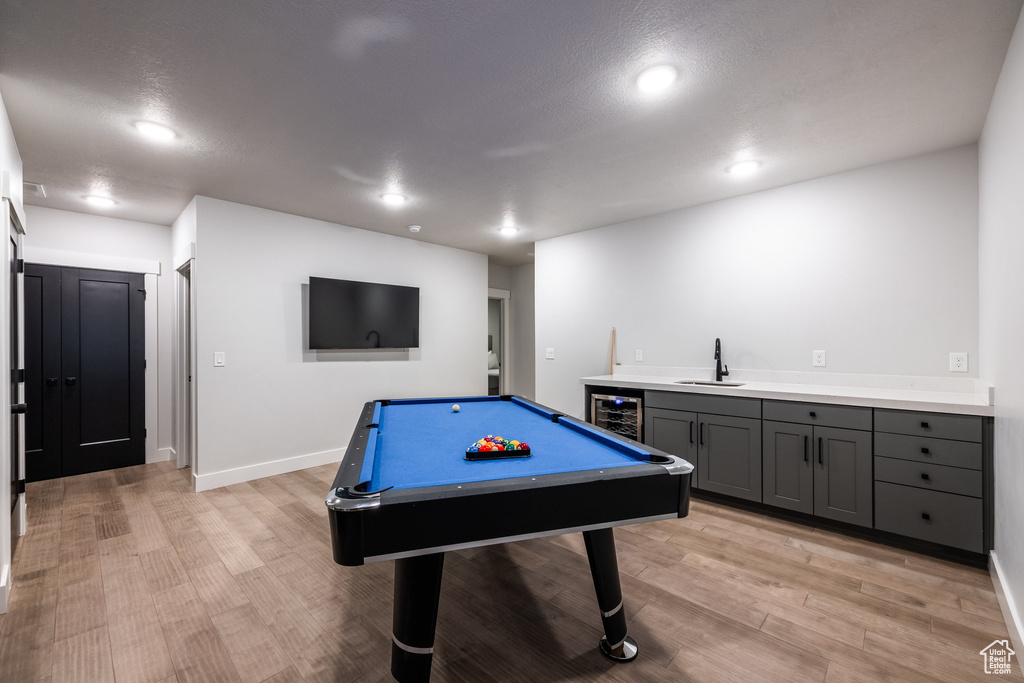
(417, 590)
(605, 569)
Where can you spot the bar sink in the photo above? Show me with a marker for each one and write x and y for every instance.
(698, 383)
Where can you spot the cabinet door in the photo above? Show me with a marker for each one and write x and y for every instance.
(675, 432)
(729, 455)
(842, 475)
(788, 472)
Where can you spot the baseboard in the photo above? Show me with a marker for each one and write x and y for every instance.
(163, 454)
(5, 587)
(205, 482)
(1006, 603)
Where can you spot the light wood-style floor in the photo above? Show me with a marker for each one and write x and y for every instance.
(128, 576)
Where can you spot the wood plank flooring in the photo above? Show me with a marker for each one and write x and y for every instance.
(127, 576)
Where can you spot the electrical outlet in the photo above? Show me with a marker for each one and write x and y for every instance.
(818, 359)
(639, 355)
(958, 362)
(549, 354)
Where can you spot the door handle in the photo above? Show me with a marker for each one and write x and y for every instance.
(69, 381)
(19, 408)
(51, 381)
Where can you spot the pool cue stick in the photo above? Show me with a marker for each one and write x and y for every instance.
(611, 358)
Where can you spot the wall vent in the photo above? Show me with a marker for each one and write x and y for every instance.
(34, 189)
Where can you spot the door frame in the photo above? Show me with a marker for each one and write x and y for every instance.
(503, 296)
(185, 392)
(15, 233)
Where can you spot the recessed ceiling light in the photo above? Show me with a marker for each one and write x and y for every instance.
(393, 199)
(414, 228)
(99, 202)
(656, 78)
(742, 169)
(509, 230)
(155, 131)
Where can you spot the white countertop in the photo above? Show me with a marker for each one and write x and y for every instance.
(909, 397)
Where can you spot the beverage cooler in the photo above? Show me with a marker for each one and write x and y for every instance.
(620, 414)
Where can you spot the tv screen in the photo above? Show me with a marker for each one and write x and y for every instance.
(344, 314)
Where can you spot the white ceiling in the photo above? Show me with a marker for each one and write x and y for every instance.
(482, 112)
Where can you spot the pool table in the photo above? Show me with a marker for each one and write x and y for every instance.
(406, 492)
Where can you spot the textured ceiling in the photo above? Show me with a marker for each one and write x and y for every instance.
(482, 112)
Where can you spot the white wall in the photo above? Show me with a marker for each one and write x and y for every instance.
(877, 266)
(498, 276)
(522, 333)
(276, 406)
(1001, 259)
(77, 239)
(183, 235)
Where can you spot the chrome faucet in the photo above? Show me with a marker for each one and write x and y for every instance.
(719, 372)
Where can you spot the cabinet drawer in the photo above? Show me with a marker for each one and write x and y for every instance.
(705, 403)
(943, 518)
(939, 425)
(924, 449)
(925, 475)
(827, 415)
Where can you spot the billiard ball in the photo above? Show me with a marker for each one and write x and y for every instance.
(455, 408)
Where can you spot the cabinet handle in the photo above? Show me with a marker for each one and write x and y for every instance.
(924, 475)
(701, 433)
(806, 443)
(813, 414)
(691, 432)
(820, 462)
(926, 517)
(51, 381)
(70, 381)
(924, 425)
(925, 450)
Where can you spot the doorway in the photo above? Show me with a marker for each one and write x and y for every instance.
(185, 395)
(497, 342)
(85, 370)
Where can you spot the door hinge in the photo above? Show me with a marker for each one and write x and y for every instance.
(143, 293)
(19, 265)
(19, 487)
(18, 376)
(145, 433)
(145, 364)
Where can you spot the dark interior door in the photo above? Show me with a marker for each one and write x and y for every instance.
(43, 377)
(92, 402)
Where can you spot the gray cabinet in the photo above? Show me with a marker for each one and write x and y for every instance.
(787, 469)
(817, 460)
(675, 432)
(930, 477)
(842, 475)
(729, 455)
(727, 432)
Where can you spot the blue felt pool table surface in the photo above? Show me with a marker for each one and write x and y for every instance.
(421, 443)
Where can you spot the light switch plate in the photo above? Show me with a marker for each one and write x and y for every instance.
(639, 355)
(218, 359)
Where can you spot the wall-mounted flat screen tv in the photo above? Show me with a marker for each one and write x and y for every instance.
(344, 314)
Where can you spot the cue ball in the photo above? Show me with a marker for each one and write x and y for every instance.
(455, 408)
